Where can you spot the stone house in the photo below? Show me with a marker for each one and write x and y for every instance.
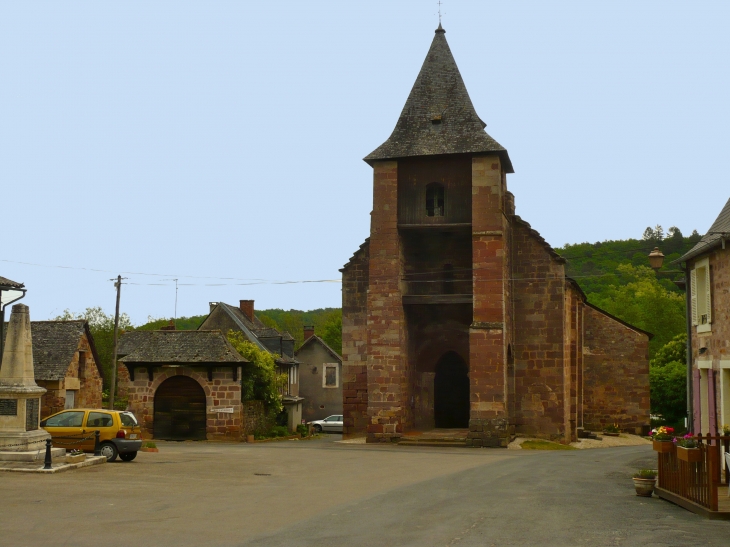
(456, 312)
(708, 265)
(320, 381)
(182, 385)
(66, 365)
(242, 318)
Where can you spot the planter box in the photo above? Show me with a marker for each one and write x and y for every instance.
(663, 446)
(76, 459)
(692, 455)
(608, 434)
(148, 449)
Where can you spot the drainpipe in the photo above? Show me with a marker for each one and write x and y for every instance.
(688, 314)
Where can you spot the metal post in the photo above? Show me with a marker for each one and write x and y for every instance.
(113, 383)
(2, 333)
(48, 460)
(97, 446)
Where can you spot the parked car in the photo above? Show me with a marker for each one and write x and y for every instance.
(331, 424)
(119, 432)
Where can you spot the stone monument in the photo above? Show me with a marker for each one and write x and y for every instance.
(20, 396)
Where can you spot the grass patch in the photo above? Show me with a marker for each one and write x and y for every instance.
(546, 445)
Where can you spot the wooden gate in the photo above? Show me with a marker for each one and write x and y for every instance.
(180, 410)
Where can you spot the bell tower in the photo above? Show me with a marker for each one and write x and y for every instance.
(436, 300)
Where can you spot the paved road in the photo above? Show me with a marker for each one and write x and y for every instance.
(322, 493)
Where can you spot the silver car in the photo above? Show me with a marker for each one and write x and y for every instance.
(331, 424)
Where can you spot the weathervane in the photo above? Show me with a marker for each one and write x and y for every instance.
(439, 3)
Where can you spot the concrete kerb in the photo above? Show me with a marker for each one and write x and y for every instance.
(56, 468)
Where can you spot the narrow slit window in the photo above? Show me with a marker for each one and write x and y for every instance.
(435, 200)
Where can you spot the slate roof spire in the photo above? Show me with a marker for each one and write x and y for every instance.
(439, 117)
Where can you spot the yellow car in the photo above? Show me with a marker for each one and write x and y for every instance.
(119, 432)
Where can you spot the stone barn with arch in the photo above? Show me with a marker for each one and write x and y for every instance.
(182, 385)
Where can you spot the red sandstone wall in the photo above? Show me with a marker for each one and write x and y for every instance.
(616, 373)
(539, 302)
(354, 343)
(387, 368)
(221, 391)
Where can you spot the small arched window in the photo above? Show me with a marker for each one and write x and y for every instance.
(435, 200)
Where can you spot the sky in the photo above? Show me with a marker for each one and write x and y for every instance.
(221, 143)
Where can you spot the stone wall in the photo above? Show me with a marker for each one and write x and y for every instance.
(539, 306)
(254, 418)
(354, 343)
(616, 373)
(221, 391)
(387, 367)
(488, 423)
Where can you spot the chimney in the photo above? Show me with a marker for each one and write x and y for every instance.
(170, 326)
(308, 331)
(212, 306)
(246, 307)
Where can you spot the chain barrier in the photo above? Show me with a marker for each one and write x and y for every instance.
(56, 442)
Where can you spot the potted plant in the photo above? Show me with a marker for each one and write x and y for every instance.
(726, 430)
(662, 438)
(644, 482)
(75, 456)
(687, 449)
(611, 430)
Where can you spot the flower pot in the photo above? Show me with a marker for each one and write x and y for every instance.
(644, 487)
(692, 455)
(148, 449)
(663, 446)
(249, 438)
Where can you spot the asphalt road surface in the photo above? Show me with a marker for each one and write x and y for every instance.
(322, 493)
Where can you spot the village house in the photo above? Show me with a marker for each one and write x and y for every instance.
(320, 379)
(456, 313)
(66, 365)
(242, 318)
(708, 264)
(182, 385)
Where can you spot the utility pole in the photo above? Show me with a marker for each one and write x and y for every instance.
(113, 384)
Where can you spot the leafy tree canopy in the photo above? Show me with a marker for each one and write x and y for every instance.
(674, 350)
(259, 380)
(668, 386)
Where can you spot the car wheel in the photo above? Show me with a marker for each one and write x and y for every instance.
(109, 451)
(317, 428)
(128, 457)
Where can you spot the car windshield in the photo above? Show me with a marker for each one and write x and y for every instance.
(128, 419)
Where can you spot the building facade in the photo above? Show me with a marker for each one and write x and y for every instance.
(456, 313)
(320, 380)
(708, 266)
(66, 365)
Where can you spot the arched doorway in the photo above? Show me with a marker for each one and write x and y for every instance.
(451, 391)
(180, 410)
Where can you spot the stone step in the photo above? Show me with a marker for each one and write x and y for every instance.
(432, 442)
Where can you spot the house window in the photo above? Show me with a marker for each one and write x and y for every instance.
(435, 200)
(82, 364)
(331, 377)
(701, 296)
(70, 399)
(294, 375)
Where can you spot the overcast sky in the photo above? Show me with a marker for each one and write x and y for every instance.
(207, 140)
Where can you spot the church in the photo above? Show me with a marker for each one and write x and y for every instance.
(457, 314)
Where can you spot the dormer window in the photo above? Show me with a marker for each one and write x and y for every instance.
(435, 200)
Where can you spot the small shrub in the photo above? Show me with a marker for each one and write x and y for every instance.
(645, 474)
(612, 428)
(303, 430)
(149, 444)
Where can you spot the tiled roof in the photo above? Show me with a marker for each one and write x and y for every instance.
(719, 229)
(54, 346)
(131, 340)
(9, 283)
(184, 346)
(316, 339)
(439, 117)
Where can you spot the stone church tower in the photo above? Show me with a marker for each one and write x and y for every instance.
(456, 314)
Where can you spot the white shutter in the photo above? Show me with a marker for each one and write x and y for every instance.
(708, 294)
(693, 289)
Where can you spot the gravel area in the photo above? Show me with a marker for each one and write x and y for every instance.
(624, 439)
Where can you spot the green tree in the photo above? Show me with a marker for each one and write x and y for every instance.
(259, 380)
(642, 300)
(668, 380)
(332, 331)
(101, 326)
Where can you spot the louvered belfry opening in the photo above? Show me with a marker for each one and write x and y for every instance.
(180, 410)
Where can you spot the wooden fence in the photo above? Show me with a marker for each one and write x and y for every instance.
(696, 481)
